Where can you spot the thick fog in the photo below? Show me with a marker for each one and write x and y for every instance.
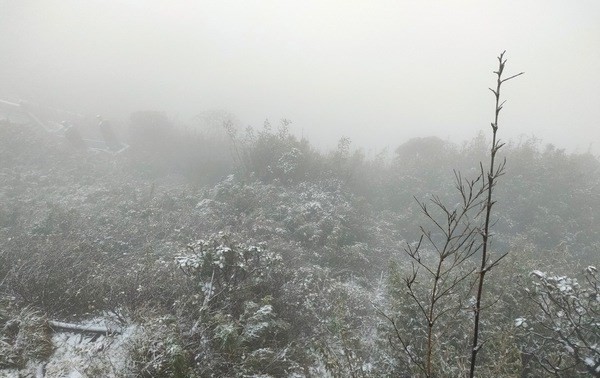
(378, 72)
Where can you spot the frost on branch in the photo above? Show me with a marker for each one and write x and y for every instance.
(563, 329)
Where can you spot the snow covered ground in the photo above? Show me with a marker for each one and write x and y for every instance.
(78, 355)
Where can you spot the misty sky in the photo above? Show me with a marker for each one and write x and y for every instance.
(378, 72)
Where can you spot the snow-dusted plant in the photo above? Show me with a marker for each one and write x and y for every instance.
(233, 324)
(157, 350)
(222, 266)
(24, 337)
(562, 332)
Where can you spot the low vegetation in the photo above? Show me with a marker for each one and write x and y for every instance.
(251, 253)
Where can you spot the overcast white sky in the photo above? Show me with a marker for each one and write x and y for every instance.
(378, 72)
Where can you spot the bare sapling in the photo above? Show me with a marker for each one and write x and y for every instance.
(495, 170)
(441, 266)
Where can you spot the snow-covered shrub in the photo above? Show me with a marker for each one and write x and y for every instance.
(562, 332)
(222, 267)
(315, 222)
(334, 319)
(233, 321)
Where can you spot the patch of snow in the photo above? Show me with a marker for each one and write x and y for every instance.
(77, 355)
(538, 273)
(589, 361)
(520, 322)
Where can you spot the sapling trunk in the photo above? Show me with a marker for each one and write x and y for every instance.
(440, 259)
(494, 172)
